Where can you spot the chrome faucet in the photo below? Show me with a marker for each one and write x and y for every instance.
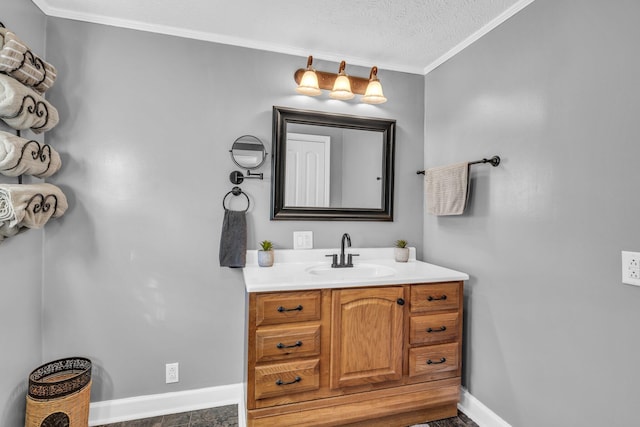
(342, 263)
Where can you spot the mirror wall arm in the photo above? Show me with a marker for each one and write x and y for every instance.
(236, 177)
(254, 175)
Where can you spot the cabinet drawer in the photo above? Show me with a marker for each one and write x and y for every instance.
(441, 361)
(434, 328)
(286, 342)
(286, 307)
(286, 378)
(435, 297)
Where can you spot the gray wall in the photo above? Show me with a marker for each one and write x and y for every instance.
(551, 336)
(20, 261)
(131, 271)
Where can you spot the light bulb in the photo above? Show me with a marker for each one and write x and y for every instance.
(342, 85)
(373, 94)
(309, 84)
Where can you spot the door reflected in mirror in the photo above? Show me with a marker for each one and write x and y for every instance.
(332, 166)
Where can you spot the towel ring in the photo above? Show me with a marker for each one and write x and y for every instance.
(236, 191)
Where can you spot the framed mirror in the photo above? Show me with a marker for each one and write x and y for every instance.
(328, 166)
(248, 152)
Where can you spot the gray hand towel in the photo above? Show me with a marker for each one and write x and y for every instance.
(233, 240)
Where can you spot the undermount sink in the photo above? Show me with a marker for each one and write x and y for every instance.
(364, 271)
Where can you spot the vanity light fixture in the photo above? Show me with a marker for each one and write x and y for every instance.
(311, 82)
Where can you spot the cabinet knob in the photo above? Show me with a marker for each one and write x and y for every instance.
(400, 301)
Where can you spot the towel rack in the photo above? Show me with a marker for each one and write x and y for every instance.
(236, 191)
(495, 161)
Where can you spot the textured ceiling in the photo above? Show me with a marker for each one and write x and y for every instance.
(412, 36)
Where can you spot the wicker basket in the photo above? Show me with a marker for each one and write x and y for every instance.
(59, 394)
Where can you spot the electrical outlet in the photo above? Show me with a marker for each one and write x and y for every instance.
(631, 268)
(172, 373)
(303, 240)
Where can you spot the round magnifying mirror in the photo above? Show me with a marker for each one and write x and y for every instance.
(248, 152)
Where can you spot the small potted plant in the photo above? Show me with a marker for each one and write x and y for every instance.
(265, 255)
(401, 251)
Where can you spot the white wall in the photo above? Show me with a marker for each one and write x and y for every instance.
(550, 331)
(20, 261)
(131, 271)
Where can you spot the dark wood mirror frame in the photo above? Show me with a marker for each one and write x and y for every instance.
(283, 116)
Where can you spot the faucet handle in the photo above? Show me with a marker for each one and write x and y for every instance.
(334, 260)
(350, 259)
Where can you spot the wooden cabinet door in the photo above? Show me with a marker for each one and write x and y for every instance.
(366, 336)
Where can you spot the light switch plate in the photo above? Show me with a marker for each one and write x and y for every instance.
(631, 268)
(303, 240)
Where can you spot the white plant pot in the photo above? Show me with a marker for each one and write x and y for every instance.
(265, 258)
(401, 254)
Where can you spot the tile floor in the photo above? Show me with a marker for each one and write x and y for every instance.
(227, 416)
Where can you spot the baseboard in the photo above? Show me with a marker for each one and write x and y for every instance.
(133, 408)
(478, 412)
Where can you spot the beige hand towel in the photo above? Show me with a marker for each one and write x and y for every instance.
(17, 60)
(23, 108)
(30, 205)
(22, 156)
(446, 189)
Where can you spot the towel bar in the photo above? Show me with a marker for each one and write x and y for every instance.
(495, 161)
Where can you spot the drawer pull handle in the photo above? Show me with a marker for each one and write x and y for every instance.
(431, 362)
(281, 309)
(442, 298)
(297, 344)
(295, 380)
(441, 329)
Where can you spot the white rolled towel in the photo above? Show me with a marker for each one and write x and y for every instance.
(23, 108)
(22, 156)
(29, 205)
(17, 60)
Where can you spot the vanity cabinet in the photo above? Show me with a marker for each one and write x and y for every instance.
(368, 356)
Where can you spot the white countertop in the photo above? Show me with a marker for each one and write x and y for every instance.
(310, 269)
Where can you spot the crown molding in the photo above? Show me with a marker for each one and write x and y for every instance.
(48, 10)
